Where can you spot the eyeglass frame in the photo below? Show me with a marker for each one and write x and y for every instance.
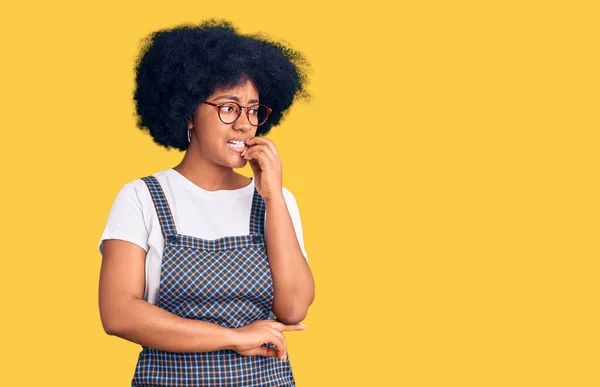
(218, 106)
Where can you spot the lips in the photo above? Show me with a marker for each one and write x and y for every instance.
(236, 145)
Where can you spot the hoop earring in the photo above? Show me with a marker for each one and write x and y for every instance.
(189, 134)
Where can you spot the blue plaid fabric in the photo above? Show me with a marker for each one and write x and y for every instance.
(226, 281)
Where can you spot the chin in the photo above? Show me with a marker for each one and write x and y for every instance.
(238, 163)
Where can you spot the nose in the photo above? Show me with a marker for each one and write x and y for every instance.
(243, 123)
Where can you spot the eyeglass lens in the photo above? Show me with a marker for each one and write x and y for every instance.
(229, 112)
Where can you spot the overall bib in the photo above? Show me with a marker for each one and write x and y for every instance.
(226, 281)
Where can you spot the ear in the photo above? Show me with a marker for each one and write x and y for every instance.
(190, 122)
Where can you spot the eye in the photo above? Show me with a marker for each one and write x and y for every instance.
(253, 110)
(228, 108)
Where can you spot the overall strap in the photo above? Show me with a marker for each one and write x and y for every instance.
(165, 217)
(257, 215)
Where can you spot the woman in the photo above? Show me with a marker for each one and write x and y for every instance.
(204, 267)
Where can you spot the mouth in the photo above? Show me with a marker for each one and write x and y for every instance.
(236, 146)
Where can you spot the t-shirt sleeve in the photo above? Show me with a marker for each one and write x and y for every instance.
(292, 206)
(126, 219)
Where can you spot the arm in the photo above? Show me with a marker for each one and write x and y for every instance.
(125, 314)
(293, 282)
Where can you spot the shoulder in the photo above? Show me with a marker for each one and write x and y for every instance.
(137, 190)
(133, 189)
(140, 184)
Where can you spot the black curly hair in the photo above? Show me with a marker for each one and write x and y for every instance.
(180, 67)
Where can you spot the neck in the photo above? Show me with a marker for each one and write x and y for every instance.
(206, 174)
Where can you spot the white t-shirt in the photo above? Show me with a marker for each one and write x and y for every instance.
(196, 212)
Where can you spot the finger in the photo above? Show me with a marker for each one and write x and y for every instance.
(267, 351)
(255, 165)
(261, 140)
(281, 343)
(279, 340)
(261, 350)
(257, 150)
(263, 157)
(285, 327)
(259, 163)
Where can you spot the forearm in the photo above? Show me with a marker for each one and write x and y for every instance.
(293, 283)
(143, 323)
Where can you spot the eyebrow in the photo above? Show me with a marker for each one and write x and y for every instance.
(233, 97)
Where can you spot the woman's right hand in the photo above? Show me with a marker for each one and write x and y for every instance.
(249, 339)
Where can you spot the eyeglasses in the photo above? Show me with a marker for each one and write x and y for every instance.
(229, 112)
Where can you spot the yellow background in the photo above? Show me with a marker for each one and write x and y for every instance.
(446, 171)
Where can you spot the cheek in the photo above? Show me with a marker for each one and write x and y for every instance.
(209, 132)
(213, 138)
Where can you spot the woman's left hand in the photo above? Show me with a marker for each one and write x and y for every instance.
(266, 166)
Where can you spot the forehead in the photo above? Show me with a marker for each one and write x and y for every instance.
(245, 89)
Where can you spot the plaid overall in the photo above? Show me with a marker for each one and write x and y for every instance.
(226, 281)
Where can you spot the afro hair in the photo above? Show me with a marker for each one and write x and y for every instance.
(180, 67)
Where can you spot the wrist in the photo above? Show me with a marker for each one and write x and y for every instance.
(274, 200)
(229, 337)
